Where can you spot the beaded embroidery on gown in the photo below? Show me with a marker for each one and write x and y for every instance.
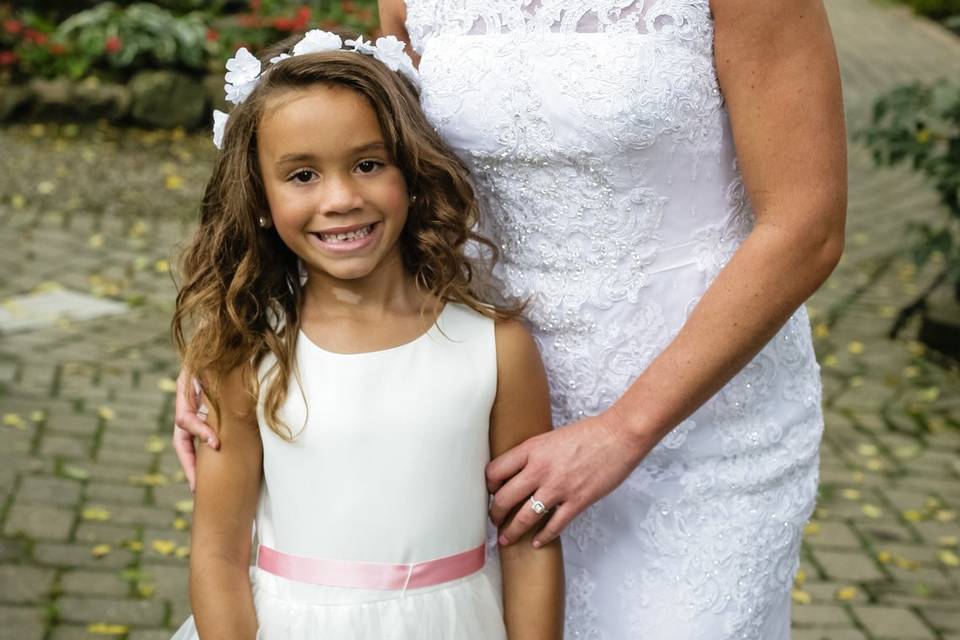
(602, 153)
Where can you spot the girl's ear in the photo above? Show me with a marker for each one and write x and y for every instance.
(265, 222)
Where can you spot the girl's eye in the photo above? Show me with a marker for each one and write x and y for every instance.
(368, 166)
(303, 175)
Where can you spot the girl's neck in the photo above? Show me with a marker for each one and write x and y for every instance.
(387, 294)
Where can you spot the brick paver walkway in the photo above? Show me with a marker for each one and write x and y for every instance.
(94, 517)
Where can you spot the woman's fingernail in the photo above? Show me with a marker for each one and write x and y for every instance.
(503, 541)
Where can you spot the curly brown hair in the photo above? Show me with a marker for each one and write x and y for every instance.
(241, 294)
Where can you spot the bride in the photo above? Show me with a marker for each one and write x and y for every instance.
(666, 180)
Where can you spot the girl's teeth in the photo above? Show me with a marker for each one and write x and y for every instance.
(345, 237)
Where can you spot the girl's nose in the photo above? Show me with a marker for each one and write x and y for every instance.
(339, 195)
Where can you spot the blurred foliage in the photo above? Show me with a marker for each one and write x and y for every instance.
(117, 39)
(946, 11)
(919, 125)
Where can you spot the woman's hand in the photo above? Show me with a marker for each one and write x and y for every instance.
(188, 424)
(567, 470)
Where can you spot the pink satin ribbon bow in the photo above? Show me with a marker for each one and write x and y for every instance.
(370, 575)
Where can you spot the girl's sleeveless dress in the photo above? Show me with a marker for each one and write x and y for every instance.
(604, 160)
(385, 478)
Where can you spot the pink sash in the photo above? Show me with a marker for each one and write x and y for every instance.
(370, 575)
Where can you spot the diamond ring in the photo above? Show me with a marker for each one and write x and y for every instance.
(538, 507)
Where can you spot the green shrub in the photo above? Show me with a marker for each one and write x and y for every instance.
(919, 125)
(936, 9)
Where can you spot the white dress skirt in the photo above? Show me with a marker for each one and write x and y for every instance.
(387, 471)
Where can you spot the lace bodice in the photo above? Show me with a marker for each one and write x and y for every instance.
(603, 158)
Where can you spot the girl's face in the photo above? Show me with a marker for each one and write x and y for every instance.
(336, 198)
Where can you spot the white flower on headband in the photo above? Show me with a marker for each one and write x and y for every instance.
(389, 51)
(315, 41)
(360, 45)
(219, 126)
(242, 72)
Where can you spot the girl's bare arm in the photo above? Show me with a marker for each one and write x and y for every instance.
(532, 578)
(228, 483)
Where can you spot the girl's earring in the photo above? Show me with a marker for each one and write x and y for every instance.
(413, 199)
(264, 222)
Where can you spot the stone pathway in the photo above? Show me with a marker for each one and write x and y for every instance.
(94, 516)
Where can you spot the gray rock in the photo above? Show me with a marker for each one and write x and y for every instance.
(13, 98)
(216, 97)
(52, 99)
(166, 99)
(93, 99)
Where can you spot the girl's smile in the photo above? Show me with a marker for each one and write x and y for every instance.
(347, 239)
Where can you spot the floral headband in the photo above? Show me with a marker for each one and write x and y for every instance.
(243, 70)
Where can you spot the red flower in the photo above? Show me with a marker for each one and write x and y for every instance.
(113, 45)
(285, 24)
(212, 35)
(12, 26)
(7, 58)
(35, 36)
(57, 49)
(302, 18)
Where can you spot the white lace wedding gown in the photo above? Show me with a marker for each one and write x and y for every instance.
(602, 153)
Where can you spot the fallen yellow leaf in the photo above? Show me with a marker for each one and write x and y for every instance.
(164, 547)
(106, 413)
(872, 511)
(801, 597)
(856, 347)
(105, 629)
(100, 550)
(15, 421)
(949, 558)
(98, 514)
(845, 594)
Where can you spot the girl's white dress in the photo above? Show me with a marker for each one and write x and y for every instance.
(603, 156)
(388, 468)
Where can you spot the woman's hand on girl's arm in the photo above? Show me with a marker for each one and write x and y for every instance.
(532, 578)
(778, 71)
(187, 425)
(227, 488)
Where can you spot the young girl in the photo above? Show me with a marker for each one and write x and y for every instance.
(357, 384)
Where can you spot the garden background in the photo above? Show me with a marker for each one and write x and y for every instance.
(104, 152)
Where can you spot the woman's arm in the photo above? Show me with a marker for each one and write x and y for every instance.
(532, 578)
(778, 71)
(228, 484)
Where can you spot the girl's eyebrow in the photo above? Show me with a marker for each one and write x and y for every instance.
(378, 145)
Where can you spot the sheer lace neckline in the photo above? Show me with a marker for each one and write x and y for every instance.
(484, 17)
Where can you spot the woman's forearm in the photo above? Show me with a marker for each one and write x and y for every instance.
(222, 600)
(770, 275)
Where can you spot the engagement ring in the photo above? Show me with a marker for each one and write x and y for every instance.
(537, 506)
